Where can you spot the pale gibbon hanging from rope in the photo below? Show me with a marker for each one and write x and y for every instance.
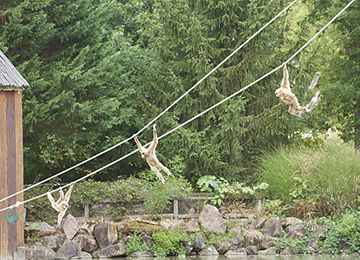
(284, 92)
(150, 156)
(62, 204)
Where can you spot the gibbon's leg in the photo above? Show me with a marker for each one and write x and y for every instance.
(68, 193)
(313, 102)
(160, 166)
(154, 169)
(60, 217)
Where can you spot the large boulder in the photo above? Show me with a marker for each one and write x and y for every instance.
(67, 250)
(235, 253)
(251, 250)
(39, 251)
(106, 234)
(86, 241)
(111, 251)
(82, 255)
(198, 244)
(237, 240)
(69, 226)
(192, 226)
(39, 228)
(273, 227)
(223, 246)
(296, 231)
(54, 242)
(285, 222)
(211, 250)
(211, 219)
(267, 242)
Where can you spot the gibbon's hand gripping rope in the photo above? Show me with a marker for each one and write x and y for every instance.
(176, 101)
(181, 125)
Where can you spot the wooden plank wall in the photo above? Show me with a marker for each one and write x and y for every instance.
(11, 169)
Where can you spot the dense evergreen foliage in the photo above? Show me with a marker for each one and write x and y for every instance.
(100, 70)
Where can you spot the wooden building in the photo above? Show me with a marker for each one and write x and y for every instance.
(11, 155)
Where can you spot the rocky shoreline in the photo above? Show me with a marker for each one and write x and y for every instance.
(84, 239)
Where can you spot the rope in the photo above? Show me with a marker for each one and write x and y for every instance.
(153, 120)
(188, 121)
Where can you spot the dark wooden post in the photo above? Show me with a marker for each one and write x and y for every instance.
(11, 154)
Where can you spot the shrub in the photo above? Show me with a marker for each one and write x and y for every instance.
(136, 244)
(167, 241)
(306, 174)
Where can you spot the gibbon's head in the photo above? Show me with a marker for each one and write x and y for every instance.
(64, 205)
(144, 152)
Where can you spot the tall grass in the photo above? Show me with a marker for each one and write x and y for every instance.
(331, 173)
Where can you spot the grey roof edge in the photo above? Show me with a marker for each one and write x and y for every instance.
(10, 77)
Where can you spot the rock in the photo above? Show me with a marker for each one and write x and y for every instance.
(285, 222)
(223, 246)
(251, 250)
(82, 255)
(148, 240)
(269, 251)
(141, 254)
(110, 251)
(296, 231)
(254, 237)
(273, 227)
(237, 230)
(237, 240)
(257, 223)
(106, 234)
(236, 252)
(211, 250)
(69, 226)
(312, 244)
(40, 228)
(198, 244)
(189, 247)
(192, 226)
(67, 250)
(211, 219)
(267, 242)
(86, 242)
(165, 224)
(39, 251)
(343, 246)
(53, 242)
(287, 251)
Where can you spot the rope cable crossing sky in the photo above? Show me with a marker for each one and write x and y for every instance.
(186, 122)
(153, 120)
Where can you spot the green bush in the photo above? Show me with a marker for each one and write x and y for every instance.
(344, 228)
(330, 173)
(136, 244)
(159, 194)
(167, 241)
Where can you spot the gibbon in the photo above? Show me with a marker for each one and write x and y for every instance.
(150, 156)
(62, 204)
(284, 92)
